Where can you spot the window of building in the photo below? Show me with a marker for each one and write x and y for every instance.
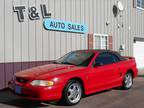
(100, 41)
(140, 4)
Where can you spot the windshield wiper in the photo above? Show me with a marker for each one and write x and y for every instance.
(55, 62)
(68, 63)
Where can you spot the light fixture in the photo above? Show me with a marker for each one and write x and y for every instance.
(122, 47)
(107, 23)
(118, 25)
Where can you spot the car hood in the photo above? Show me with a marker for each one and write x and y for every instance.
(46, 71)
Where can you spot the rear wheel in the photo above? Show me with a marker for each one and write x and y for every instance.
(72, 93)
(128, 81)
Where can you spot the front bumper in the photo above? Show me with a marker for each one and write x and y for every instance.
(52, 93)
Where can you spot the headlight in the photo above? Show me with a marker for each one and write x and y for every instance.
(42, 83)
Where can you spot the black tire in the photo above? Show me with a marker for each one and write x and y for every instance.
(127, 82)
(66, 93)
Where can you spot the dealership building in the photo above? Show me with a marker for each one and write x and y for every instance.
(34, 32)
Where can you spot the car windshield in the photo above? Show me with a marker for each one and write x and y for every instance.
(78, 58)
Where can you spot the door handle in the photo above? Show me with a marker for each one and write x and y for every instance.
(120, 74)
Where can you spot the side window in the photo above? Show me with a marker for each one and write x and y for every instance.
(116, 58)
(105, 59)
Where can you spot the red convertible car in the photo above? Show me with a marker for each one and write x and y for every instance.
(75, 74)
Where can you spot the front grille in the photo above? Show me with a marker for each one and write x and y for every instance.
(21, 80)
(28, 93)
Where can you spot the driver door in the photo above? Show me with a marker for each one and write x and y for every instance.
(102, 73)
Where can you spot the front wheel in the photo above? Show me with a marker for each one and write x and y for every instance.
(128, 81)
(72, 93)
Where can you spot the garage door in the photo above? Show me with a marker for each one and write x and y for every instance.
(139, 53)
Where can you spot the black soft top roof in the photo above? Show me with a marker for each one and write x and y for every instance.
(104, 51)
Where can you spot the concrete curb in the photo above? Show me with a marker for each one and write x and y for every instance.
(141, 71)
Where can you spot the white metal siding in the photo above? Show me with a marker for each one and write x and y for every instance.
(29, 41)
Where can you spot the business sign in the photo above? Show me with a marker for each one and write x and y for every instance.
(65, 26)
(32, 12)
